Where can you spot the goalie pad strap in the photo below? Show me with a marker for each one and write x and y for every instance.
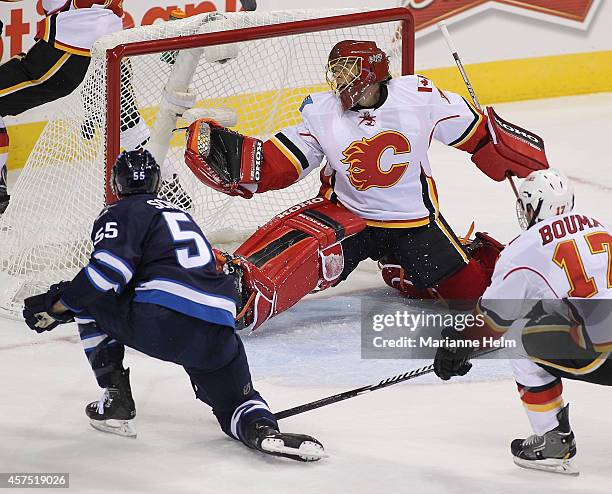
(510, 150)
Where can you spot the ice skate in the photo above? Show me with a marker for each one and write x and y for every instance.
(551, 452)
(116, 409)
(298, 447)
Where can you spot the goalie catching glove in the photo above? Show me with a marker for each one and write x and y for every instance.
(223, 159)
(37, 309)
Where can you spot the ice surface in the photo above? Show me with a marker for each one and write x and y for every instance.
(419, 437)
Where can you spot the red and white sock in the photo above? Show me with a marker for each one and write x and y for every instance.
(542, 403)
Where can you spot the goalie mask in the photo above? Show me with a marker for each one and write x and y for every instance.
(352, 67)
(543, 194)
(135, 172)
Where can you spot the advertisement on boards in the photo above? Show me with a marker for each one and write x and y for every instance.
(571, 13)
(20, 18)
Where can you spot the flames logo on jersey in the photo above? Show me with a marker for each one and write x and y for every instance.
(379, 161)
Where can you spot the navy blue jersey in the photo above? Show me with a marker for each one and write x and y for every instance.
(149, 249)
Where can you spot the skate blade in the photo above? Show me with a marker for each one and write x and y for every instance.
(308, 450)
(552, 465)
(118, 427)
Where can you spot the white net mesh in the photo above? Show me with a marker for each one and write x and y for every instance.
(44, 234)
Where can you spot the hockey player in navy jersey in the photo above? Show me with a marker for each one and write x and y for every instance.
(152, 284)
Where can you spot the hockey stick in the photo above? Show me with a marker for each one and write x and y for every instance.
(451, 46)
(328, 400)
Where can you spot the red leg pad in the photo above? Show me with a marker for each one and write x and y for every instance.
(295, 253)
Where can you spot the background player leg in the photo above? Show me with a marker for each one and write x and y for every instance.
(42, 75)
(135, 134)
(4, 148)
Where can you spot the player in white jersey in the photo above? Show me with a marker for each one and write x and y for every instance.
(55, 65)
(378, 198)
(556, 277)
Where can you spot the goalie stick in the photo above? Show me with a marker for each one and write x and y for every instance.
(328, 400)
(451, 46)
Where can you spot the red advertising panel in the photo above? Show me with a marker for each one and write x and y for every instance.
(428, 12)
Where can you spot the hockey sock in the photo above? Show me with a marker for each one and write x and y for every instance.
(135, 132)
(542, 403)
(103, 352)
(253, 410)
(135, 135)
(167, 170)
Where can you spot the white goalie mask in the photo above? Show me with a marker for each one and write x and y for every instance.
(543, 194)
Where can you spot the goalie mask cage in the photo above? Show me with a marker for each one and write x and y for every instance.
(252, 70)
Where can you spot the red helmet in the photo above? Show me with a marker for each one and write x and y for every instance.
(353, 66)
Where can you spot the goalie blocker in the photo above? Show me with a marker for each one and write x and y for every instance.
(508, 149)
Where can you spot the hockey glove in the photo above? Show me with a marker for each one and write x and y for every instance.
(452, 359)
(223, 159)
(37, 309)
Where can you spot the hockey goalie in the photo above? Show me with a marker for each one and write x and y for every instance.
(378, 198)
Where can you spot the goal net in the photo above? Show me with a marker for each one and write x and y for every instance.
(250, 70)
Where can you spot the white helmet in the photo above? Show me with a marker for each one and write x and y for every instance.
(544, 193)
